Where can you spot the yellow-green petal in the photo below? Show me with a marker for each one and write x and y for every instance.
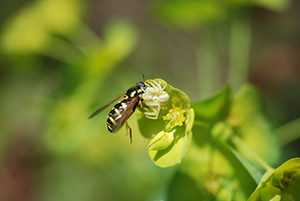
(161, 141)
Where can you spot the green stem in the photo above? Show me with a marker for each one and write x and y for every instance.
(84, 39)
(249, 153)
(208, 64)
(289, 132)
(239, 49)
(61, 50)
(79, 43)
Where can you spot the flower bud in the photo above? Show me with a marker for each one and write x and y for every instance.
(161, 141)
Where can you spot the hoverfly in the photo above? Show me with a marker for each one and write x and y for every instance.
(124, 108)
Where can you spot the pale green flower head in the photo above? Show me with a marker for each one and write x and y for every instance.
(280, 184)
(166, 119)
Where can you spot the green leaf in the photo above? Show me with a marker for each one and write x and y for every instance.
(120, 38)
(210, 111)
(275, 5)
(288, 132)
(189, 14)
(31, 30)
(184, 187)
(64, 135)
(247, 173)
(214, 175)
(247, 118)
(250, 168)
(215, 108)
(224, 118)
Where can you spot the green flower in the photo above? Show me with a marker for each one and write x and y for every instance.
(166, 119)
(280, 184)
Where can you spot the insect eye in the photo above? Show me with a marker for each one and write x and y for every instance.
(141, 85)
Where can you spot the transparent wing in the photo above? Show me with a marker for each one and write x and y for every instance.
(104, 107)
(125, 113)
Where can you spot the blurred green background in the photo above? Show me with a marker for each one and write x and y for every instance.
(62, 59)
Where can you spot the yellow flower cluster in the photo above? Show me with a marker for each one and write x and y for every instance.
(176, 115)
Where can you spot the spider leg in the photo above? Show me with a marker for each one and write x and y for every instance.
(157, 85)
(163, 89)
(155, 107)
(157, 113)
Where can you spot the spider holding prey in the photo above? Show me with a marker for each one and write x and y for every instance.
(149, 92)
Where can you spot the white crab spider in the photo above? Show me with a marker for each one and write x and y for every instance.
(155, 97)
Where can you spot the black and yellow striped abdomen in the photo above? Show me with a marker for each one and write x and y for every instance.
(124, 108)
(116, 115)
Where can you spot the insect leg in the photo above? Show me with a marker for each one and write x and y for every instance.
(130, 132)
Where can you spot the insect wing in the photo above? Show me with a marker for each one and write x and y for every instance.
(125, 112)
(104, 107)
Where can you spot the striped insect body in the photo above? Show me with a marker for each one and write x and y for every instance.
(124, 108)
